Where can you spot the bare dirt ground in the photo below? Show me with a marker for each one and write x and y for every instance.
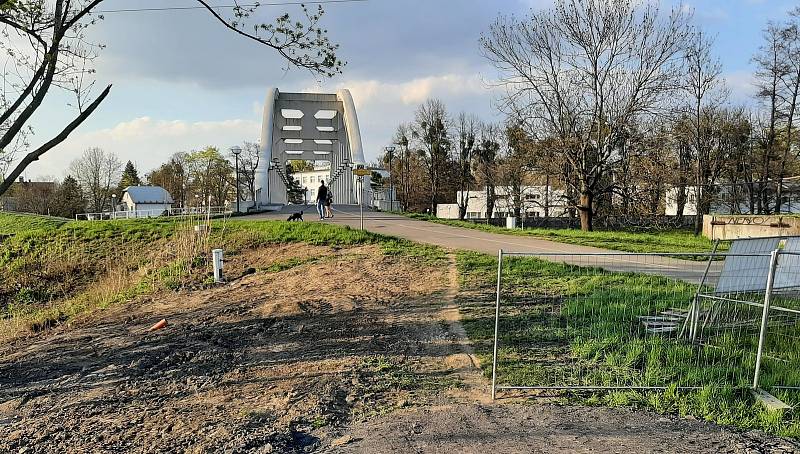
(479, 429)
(346, 350)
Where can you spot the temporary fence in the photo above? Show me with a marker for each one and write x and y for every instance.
(617, 320)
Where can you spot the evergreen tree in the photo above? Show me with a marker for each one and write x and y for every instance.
(294, 192)
(69, 199)
(130, 177)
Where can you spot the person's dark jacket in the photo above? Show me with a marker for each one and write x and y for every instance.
(322, 193)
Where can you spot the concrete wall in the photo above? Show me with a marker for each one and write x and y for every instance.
(532, 205)
(447, 210)
(731, 227)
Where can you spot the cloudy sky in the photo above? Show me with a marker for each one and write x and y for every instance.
(182, 82)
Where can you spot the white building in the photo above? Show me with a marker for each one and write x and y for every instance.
(146, 201)
(533, 203)
(385, 199)
(689, 206)
(721, 202)
(310, 181)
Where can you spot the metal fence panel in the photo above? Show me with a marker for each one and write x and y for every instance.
(746, 272)
(626, 320)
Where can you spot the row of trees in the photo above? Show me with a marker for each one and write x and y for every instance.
(203, 177)
(196, 178)
(616, 103)
(442, 155)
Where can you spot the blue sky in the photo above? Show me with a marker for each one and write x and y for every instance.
(181, 82)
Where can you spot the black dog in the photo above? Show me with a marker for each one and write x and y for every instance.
(296, 217)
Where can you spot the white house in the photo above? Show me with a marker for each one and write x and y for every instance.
(533, 203)
(310, 181)
(146, 201)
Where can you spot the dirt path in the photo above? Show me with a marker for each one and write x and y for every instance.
(482, 429)
(347, 349)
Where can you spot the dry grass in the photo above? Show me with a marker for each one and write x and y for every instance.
(58, 271)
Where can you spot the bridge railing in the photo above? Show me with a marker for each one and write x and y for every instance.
(140, 214)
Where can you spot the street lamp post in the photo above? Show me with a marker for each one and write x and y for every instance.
(390, 151)
(113, 206)
(236, 150)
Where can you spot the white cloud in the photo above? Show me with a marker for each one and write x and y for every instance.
(741, 85)
(381, 106)
(412, 92)
(147, 142)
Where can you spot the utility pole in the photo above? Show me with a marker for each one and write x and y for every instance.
(390, 152)
(236, 150)
(361, 172)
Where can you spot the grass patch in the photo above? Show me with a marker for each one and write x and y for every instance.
(11, 223)
(666, 241)
(565, 325)
(57, 269)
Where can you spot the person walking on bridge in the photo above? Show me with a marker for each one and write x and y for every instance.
(322, 198)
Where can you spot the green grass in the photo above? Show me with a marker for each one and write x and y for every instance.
(564, 325)
(57, 269)
(666, 241)
(14, 223)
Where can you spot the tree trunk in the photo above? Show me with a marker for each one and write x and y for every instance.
(680, 201)
(489, 201)
(585, 211)
(547, 196)
(698, 205)
(462, 207)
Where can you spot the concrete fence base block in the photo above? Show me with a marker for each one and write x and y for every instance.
(770, 402)
(731, 226)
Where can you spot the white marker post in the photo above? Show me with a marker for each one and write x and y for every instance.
(218, 261)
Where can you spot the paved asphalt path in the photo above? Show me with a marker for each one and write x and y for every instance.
(490, 243)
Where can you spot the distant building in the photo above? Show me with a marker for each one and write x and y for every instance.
(146, 201)
(726, 201)
(537, 201)
(28, 196)
(671, 202)
(310, 180)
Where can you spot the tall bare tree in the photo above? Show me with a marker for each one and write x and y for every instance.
(771, 69)
(486, 163)
(47, 48)
(789, 89)
(466, 131)
(431, 130)
(706, 93)
(97, 173)
(581, 71)
(402, 137)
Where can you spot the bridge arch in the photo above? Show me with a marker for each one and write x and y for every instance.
(313, 127)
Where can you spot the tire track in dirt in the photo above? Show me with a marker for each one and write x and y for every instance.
(463, 360)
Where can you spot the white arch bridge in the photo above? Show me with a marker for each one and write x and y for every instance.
(312, 127)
